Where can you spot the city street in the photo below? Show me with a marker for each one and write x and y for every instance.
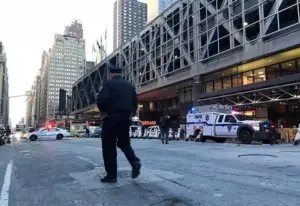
(67, 172)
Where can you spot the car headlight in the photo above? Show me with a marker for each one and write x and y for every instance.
(255, 126)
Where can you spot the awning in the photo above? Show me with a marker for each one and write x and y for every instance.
(266, 95)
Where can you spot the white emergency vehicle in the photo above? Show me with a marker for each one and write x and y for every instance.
(220, 123)
(48, 133)
(153, 132)
(135, 130)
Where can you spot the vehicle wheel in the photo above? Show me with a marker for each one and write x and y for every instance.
(265, 141)
(33, 137)
(220, 140)
(203, 139)
(59, 137)
(197, 132)
(245, 137)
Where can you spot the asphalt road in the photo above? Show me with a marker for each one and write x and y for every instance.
(66, 172)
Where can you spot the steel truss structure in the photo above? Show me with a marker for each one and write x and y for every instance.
(264, 96)
(188, 34)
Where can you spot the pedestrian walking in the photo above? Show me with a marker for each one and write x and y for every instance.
(117, 99)
(87, 132)
(164, 127)
(7, 134)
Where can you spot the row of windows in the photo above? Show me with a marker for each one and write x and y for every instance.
(253, 76)
(185, 94)
(250, 24)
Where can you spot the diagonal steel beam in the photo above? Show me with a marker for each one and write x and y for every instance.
(186, 56)
(168, 63)
(212, 10)
(93, 87)
(148, 56)
(85, 94)
(273, 12)
(74, 98)
(211, 35)
(79, 98)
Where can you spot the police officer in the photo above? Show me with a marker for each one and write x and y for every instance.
(164, 127)
(118, 101)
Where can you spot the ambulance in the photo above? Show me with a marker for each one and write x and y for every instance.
(219, 123)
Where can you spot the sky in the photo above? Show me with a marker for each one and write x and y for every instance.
(28, 27)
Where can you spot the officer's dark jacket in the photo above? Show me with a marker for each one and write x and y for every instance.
(117, 96)
(164, 122)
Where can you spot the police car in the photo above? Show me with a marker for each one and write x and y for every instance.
(220, 123)
(135, 129)
(48, 133)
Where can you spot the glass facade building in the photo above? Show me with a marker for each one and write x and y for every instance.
(199, 50)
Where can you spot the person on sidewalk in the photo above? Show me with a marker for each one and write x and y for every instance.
(164, 127)
(117, 99)
(87, 132)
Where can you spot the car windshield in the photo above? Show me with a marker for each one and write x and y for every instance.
(242, 117)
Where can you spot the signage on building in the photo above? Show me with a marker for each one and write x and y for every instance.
(20, 126)
(148, 123)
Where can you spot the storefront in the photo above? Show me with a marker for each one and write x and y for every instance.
(267, 88)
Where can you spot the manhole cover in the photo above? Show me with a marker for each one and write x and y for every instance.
(260, 155)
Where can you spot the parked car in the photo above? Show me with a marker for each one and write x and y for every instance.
(48, 133)
(97, 132)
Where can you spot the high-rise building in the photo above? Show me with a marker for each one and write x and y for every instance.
(75, 30)
(66, 64)
(130, 16)
(44, 86)
(155, 7)
(36, 101)
(29, 108)
(4, 99)
(89, 65)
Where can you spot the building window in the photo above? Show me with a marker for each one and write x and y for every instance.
(227, 83)
(248, 78)
(209, 86)
(259, 75)
(272, 72)
(218, 85)
(237, 80)
(288, 68)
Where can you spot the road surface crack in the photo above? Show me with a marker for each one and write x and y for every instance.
(177, 183)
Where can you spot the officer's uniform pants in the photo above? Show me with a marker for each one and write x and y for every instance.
(164, 135)
(115, 131)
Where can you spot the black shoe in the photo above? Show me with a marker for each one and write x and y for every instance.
(107, 179)
(162, 141)
(136, 170)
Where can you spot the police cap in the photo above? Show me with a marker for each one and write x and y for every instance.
(115, 69)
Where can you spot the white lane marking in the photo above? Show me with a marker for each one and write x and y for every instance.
(97, 148)
(218, 195)
(4, 198)
(24, 151)
(87, 160)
